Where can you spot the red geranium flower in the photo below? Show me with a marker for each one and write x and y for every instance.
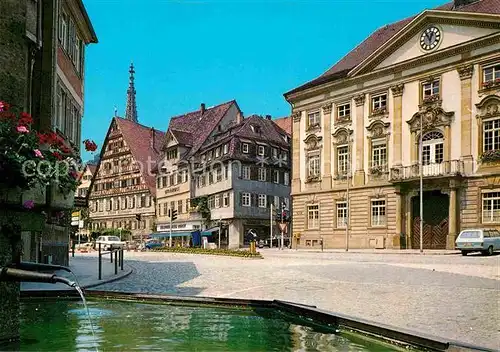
(90, 145)
(4, 106)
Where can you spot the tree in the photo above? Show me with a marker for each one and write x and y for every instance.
(201, 205)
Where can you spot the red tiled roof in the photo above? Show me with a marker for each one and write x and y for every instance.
(194, 127)
(184, 138)
(139, 139)
(285, 123)
(268, 131)
(382, 35)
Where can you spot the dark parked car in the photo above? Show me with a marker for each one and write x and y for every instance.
(153, 244)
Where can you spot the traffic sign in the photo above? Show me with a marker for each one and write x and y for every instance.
(283, 226)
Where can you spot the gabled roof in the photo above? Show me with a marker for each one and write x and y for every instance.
(382, 35)
(268, 131)
(193, 128)
(285, 123)
(139, 139)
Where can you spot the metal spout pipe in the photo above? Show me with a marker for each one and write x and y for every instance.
(30, 266)
(19, 275)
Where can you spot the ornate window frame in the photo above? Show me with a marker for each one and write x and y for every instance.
(488, 110)
(312, 149)
(346, 119)
(341, 137)
(310, 128)
(433, 117)
(378, 131)
(486, 87)
(379, 112)
(308, 205)
(433, 98)
(374, 198)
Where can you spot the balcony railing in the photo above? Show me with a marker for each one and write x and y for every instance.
(444, 169)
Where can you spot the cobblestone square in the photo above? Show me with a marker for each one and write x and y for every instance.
(444, 295)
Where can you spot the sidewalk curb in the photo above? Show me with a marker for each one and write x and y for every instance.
(429, 252)
(126, 273)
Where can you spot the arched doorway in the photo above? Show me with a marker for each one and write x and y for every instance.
(433, 153)
(436, 220)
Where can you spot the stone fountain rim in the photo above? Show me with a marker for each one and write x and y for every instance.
(387, 333)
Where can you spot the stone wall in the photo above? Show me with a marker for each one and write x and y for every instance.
(14, 53)
(13, 88)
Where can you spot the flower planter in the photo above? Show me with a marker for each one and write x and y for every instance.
(58, 200)
(18, 196)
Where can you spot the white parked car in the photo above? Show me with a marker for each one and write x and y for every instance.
(485, 241)
(109, 243)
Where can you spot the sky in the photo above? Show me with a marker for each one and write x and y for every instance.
(190, 52)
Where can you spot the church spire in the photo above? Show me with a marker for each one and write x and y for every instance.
(131, 111)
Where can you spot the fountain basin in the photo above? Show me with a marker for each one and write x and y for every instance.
(54, 320)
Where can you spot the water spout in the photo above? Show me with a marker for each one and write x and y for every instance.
(40, 267)
(19, 275)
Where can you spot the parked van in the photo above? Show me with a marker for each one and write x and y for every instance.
(485, 241)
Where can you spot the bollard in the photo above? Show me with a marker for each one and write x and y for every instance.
(116, 261)
(100, 262)
(111, 254)
(73, 248)
(121, 263)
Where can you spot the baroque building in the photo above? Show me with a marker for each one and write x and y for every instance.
(122, 191)
(211, 155)
(424, 88)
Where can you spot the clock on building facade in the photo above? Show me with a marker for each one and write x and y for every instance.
(430, 38)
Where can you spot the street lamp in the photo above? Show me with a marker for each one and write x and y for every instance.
(348, 214)
(421, 186)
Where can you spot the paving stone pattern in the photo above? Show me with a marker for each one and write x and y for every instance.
(444, 295)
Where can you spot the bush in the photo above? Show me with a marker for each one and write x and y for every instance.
(194, 250)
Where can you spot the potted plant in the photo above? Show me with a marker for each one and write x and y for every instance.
(36, 166)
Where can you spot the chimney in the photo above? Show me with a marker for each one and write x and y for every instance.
(460, 3)
(268, 117)
(202, 108)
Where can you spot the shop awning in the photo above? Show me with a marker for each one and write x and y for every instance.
(210, 232)
(167, 234)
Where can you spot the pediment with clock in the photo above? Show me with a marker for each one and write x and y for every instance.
(428, 33)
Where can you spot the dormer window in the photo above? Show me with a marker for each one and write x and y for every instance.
(261, 150)
(203, 158)
(172, 154)
(245, 148)
(284, 155)
(217, 152)
(226, 148)
(255, 129)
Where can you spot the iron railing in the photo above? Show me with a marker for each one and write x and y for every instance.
(118, 254)
(446, 168)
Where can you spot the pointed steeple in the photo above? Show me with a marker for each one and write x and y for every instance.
(131, 111)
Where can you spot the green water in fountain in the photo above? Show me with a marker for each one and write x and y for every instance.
(124, 326)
